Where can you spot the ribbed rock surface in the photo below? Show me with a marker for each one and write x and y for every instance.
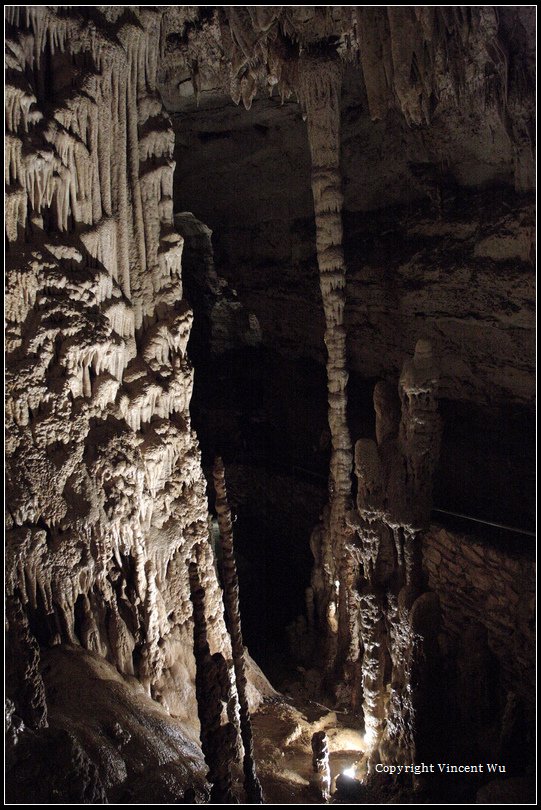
(106, 497)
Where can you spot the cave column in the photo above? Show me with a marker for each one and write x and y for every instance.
(231, 599)
(212, 688)
(320, 81)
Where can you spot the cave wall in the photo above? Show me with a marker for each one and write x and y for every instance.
(105, 492)
(491, 587)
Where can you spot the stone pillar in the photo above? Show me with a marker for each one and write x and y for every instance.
(321, 778)
(320, 81)
(218, 740)
(231, 599)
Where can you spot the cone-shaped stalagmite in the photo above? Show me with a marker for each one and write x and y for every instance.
(231, 599)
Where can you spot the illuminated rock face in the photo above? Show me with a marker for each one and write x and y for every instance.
(106, 497)
(398, 621)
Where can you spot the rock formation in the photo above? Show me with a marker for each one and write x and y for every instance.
(213, 689)
(321, 780)
(398, 623)
(392, 623)
(320, 84)
(232, 610)
(106, 496)
(402, 122)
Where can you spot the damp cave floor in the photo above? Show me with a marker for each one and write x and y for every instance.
(283, 732)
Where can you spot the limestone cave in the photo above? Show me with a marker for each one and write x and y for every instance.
(270, 404)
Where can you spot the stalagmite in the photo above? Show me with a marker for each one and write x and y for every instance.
(211, 683)
(393, 502)
(321, 778)
(231, 600)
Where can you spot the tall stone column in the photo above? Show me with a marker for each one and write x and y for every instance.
(320, 80)
(398, 621)
(231, 599)
(218, 740)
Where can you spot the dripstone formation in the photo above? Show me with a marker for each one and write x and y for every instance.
(392, 622)
(106, 497)
(321, 779)
(213, 691)
(232, 610)
(113, 589)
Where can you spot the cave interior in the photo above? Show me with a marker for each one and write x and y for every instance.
(270, 404)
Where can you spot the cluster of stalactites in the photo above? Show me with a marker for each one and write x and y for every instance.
(411, 57)
(106, 496)
(101, 160)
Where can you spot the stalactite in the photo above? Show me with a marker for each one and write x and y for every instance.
(94, 283)
(212, 691)
(231, 600)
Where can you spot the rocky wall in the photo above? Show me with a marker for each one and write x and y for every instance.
(480, 584)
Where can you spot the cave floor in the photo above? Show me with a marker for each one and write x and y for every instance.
(282, 742)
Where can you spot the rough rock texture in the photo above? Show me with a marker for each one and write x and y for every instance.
(424, 62)
(106, 497)
(320, 85)
(213, 685)
(106, 741)
(321, 778)
(477, 583)
(106, 502)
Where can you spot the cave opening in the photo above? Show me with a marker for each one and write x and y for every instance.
(297, 242)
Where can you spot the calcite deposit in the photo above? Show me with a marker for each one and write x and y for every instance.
(106, 502)
(344, 198)
(232, 609)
